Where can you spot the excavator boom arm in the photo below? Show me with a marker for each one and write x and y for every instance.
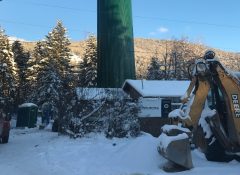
(210, 80)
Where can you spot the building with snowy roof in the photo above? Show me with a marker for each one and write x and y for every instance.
(151, 92)
(156, 98)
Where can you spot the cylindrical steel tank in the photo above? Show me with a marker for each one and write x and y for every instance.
(115, 43)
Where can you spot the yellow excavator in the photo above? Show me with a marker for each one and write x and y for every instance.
(209, 117)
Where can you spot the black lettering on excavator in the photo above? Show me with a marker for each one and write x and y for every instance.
(236, 105)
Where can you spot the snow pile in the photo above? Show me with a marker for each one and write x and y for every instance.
(167, 128)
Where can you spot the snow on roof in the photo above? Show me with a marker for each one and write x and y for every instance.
(99, 93)
(159, 88)
(24, 105)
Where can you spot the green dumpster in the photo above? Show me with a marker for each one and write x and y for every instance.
(27, 115)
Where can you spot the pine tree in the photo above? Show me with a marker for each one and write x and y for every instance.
(21, 59)
(58, 50)
(7, 82)
(39, 53)
(88, 68)
(54, 78)
(154, 72)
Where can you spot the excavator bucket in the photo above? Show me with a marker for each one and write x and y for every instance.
(178, 152)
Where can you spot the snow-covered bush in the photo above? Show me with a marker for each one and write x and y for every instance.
(122, 119)
(112, 114)
(83, 114)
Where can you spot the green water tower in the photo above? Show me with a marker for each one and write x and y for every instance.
(115, 43)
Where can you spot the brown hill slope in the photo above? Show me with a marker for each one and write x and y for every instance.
(145, 49)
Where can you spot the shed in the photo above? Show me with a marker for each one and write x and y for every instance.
(27, 115)
(157, 99)
(150, 92)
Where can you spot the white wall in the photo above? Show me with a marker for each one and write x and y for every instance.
(150, 107)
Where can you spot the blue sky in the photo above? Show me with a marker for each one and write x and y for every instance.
(215, 23)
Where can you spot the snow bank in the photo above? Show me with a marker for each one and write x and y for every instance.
(137, 156)
(39, 152)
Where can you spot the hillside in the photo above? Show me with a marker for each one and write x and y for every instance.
(145, 49)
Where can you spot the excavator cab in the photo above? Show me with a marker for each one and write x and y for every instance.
(210, 109)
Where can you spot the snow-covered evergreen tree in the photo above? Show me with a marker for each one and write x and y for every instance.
(88, 68)
(7, 73)
(53, 80)
(21, 58)
(39, 53)
(58, 50)
(154, 71)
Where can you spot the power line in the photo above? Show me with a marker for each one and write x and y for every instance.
(141, 17)
(61, 7)
(94, 11)
(37, 25)
(23, 23)
(69, 29)
(188, 22)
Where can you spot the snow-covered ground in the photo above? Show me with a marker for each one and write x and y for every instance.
(41, 152)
